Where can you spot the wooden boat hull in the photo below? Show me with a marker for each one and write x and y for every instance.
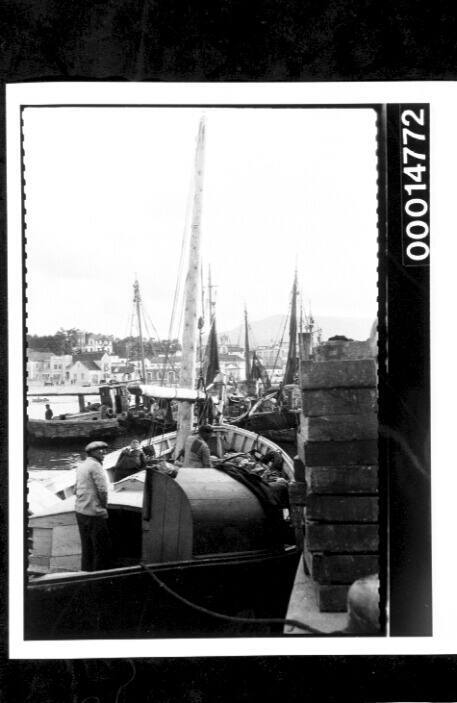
(129, 603)
(237, 439)
(185, 521)
(72, 429)
(274, 420)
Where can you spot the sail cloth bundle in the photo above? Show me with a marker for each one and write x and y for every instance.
(131, 460)
(269, 499)
(268, 468)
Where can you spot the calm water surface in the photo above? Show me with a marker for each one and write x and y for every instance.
(60, 458)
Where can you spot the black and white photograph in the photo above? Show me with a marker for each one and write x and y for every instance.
(206, 331)
(201, 363)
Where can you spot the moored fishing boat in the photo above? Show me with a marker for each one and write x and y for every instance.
(273, 416)
(275, 412)
(189, 532)
(102, 419)
(73, 428)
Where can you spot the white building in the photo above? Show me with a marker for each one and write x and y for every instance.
(47, 368)
(232, 365)
(37, 363)
(90, 368)
(89, 343)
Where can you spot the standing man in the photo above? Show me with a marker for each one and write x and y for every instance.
(48, 415)
(196, 450)
(90, 508)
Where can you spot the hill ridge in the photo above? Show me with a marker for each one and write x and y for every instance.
(269, 330)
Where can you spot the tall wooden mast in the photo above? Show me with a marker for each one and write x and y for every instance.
(189, 339)
(137, 301)
(291, 366)
(211, 303)
(300, 348)
(247, 363)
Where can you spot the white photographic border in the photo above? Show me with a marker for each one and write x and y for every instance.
(442, 98)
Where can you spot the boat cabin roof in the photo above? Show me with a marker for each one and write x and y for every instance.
(166, 392)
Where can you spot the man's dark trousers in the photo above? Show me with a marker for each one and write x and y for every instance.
(95, 542)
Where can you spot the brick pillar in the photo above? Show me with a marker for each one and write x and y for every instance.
(337, 442)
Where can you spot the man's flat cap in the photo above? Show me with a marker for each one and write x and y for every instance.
(95, 445)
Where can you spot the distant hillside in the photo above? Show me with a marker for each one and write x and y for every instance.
(269, 330)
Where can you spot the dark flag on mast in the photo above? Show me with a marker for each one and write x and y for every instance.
(211, 360)
(291, 366)
(258, 371)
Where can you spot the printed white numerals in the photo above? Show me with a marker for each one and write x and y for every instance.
(415, 185)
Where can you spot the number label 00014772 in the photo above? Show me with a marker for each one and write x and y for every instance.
(415, 180)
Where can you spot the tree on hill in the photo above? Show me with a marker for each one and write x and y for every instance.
(62, 342)
(129, 347)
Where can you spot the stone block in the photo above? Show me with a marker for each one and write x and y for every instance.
(339, 374)
(342, 508)
(338, 401)
(339, 428)
(339, 538)
(340, 568)
(341, 479)
(297, 493)
(357, 452)
(299, 469)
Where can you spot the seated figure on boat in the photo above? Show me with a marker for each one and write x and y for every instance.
(196, 450)
(131, 460)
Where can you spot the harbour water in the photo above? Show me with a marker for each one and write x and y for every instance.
(42, 459)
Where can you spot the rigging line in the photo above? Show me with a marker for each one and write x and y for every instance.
(126, 324)
(253, 339)
(178, 288)
(280, 343)
(132, 316)
(184, 240)
(234, 618)
(148, 318)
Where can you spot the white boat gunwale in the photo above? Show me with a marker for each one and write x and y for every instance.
(259, 443)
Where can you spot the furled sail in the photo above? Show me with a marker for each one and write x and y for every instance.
(211, 360)
(291, 366)
(259, 372)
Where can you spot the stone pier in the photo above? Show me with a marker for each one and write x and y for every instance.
(337, 443)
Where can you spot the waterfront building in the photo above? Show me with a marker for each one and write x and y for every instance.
(47, 368)
(232, 365)
(37, 363)
(89, 343)
(122, 372)
(90, 368)
(60, 366)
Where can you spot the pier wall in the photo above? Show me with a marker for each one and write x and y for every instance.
(337, 443)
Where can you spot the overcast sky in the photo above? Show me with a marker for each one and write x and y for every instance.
(107, 197)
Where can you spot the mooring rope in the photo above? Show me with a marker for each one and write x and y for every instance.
(235, 618)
